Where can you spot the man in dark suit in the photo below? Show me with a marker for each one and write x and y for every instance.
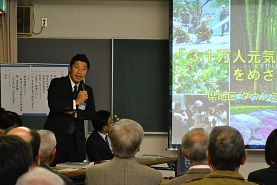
(223, 14)
(267, 176)
(48, 152)
(68, 111)
(97, 147)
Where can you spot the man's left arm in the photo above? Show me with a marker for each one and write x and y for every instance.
(89, 111)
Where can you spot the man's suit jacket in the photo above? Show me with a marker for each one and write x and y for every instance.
(60, 100)
(122, 172)
(193, 173)
(97, 148)
(266, 176)
(221, 177)
(66, 180)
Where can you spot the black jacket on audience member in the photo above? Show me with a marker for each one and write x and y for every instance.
(97, 149)
(267, 176)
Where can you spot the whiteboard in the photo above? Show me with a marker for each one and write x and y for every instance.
(24, 86)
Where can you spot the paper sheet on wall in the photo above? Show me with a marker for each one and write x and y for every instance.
(24, 86)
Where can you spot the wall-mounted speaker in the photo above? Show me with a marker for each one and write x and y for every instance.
(24, 20)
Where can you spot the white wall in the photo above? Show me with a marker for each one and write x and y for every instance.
(103, 19)
(117, 19)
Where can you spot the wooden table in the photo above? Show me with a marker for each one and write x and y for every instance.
(75, 173)
(150, 160)
(78, 172)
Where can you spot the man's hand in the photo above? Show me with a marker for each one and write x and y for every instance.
(81, 97)
(70, 113)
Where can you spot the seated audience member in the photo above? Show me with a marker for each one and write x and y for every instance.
(48, 151)
(97, 147)
(126, 137)
(2, 109)
(9, 119)
(267, 176)
(194, 146)
(222, 114)
(39, 176)
(225, 154)
(30, 136)
(15, 158)
(17, 119)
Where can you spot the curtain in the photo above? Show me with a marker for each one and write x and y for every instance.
(8, 34)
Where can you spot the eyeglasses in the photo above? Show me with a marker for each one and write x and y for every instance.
(110, 122)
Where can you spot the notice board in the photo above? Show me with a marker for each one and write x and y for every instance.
(24, 86)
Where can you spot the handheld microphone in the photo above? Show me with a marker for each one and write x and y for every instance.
(83, 86)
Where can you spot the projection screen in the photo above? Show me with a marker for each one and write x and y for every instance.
(223, 67)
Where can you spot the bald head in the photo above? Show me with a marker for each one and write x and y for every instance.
(23, 132)
(30, 136)
(41, 176)
(194, 144)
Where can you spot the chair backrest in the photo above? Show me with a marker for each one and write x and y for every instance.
(183, 163)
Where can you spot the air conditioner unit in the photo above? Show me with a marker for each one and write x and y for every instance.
(24, 20)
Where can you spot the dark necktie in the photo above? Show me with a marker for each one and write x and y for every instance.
(74, 96)
(75, 92)
(107, 141)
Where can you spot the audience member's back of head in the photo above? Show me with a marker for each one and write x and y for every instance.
(271, 148)
(47, 144)
(35, 143)
(101, 119)
(126, 137)
(17, 119)
(2, 109)
(29, 135)
(195, 143)
(15, 158)
(9, 119)
(226, 148)
(6, 120)
(39, 176)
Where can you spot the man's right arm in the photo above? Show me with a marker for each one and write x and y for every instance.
(58, 101)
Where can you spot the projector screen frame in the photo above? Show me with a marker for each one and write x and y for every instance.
(235, 109)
